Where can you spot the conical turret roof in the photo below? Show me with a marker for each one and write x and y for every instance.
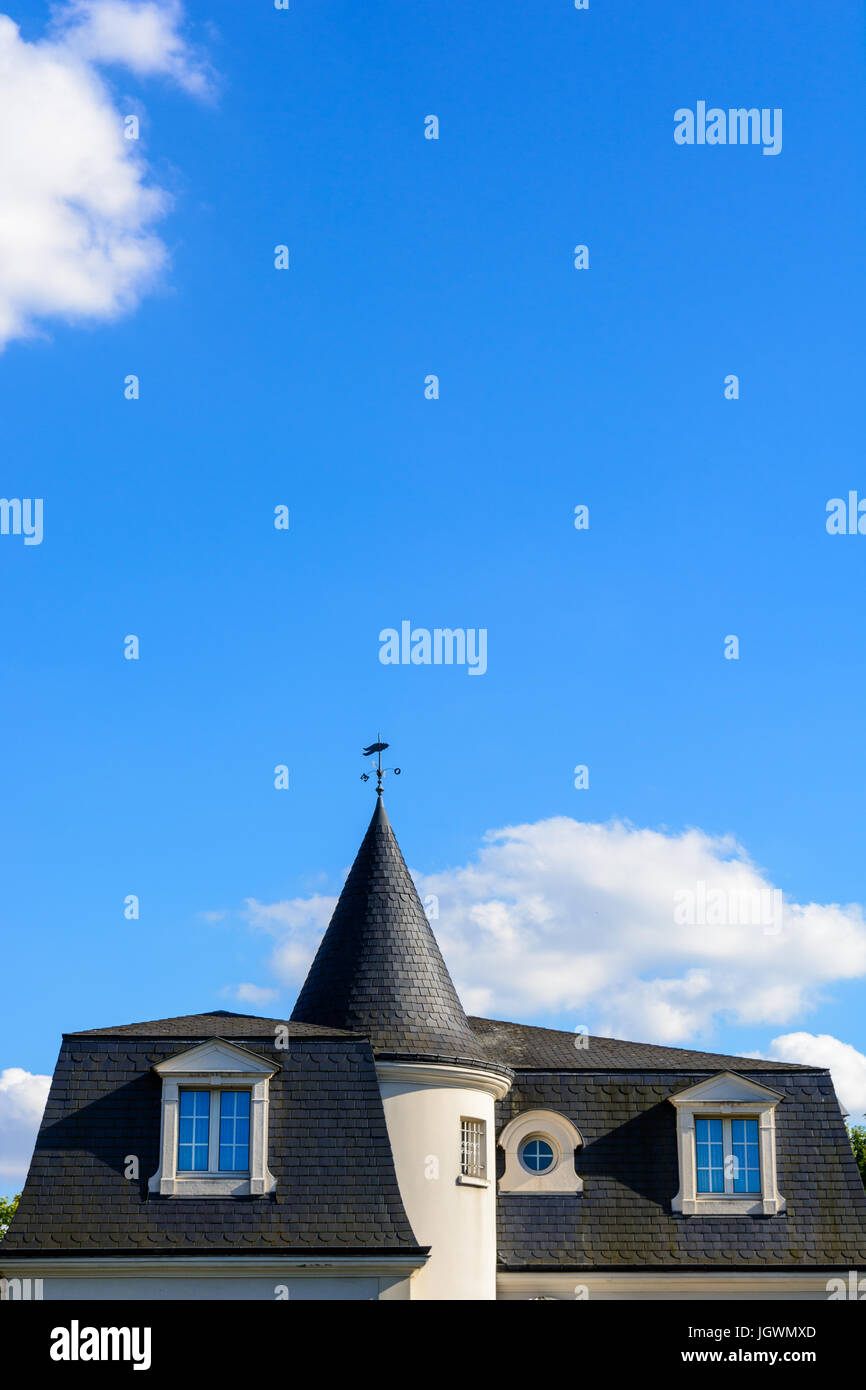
(378, 970)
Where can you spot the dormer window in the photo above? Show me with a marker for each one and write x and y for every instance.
(726, 1144)
(214, 1127)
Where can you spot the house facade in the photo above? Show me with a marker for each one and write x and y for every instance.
(381, 1144)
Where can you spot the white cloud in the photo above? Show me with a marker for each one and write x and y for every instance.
(143, 35)
(847, 1065)
(22, 1101)
(76, 210)
(255, 994)
(294, 914)
(298, 924)
(578, 920)
(566, 917)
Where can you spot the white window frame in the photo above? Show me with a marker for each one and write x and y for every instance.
(479, 1178)
(562, 1136)
(727, 1095)
(214, 1066)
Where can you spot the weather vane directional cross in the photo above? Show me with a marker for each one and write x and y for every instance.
(378, 748)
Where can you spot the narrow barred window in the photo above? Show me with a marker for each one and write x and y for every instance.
(472, 1148)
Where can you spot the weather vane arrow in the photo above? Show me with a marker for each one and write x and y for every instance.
(378, 748)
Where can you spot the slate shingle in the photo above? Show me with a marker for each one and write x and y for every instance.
(379, 970)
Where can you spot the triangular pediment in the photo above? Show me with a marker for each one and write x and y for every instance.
(727, 1087)
(216, 1055)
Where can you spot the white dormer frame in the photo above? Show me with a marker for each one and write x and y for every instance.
(563, 1138)
(214, 1065)
(727, 1094)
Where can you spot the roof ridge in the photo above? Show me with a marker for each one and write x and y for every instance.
(680, 1053)
(183, 1022)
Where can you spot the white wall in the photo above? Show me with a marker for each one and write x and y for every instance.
(423, 1110)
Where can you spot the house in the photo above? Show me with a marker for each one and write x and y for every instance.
(380, 1144)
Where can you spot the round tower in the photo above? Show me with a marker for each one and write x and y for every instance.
(379, 972)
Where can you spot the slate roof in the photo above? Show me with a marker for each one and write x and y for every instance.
(623, 1218)
(337, 1190)
(378, 970)
(217, 1023)
(328, 1148)
(527, 1048)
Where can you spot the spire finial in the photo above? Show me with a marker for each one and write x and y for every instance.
(378, 748)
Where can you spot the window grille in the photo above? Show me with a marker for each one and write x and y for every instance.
(472, 1146)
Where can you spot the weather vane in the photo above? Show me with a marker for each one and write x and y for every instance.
(378, 748)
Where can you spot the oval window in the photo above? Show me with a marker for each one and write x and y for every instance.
(537, 1155)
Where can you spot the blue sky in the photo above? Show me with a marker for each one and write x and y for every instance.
(305, 387)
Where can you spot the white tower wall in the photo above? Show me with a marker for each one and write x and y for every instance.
(424, 1104)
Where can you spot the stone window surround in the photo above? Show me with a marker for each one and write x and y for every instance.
(727, 1095)
(479, 1178)
(562, 1136)
(214, 1065)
